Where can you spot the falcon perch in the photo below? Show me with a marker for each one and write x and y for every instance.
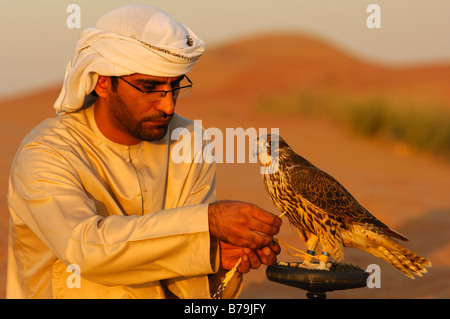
(327, 217)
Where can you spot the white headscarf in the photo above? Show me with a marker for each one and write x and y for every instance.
(132, 39)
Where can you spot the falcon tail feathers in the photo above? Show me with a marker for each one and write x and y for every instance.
(394, 233)
(402, 259)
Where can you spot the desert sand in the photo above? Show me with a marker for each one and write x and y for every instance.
(406, 190)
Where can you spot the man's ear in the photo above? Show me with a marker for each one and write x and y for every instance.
(103, 86)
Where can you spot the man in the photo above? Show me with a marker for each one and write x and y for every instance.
(98, 208)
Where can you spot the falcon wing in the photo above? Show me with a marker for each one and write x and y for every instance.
(327, 194)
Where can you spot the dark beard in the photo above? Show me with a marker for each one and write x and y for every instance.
(123, 115)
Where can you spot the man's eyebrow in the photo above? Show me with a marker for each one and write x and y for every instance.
(155, 81)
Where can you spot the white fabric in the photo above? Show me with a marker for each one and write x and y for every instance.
(132, 39)
(133, 221)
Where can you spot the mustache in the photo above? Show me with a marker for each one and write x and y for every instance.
(158, 117)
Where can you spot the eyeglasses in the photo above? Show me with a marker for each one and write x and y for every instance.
(178, 90)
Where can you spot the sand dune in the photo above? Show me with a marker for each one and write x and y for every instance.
(407, 191)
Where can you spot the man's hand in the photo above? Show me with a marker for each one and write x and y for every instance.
(242, 224)
(250, 259)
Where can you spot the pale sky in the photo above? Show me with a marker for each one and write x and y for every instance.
(37, 44)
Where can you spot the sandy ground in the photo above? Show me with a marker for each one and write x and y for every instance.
(407, 191)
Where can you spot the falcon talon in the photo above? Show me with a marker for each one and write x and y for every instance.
(308, 266)
(308, 258)
(323, 266)
(323, 259)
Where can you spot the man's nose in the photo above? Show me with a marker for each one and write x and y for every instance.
(167, 104)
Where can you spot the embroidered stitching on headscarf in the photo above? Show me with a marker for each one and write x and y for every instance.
(194, 58)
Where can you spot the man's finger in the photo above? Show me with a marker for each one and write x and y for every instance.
(244, 267)
(257, 240)
(266, 217)
(268, 257)
(255, 262)
(264, 228)
(275, 247)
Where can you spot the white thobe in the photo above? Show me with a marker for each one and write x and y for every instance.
(91, 218)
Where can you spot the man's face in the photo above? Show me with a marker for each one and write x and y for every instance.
(141, 115)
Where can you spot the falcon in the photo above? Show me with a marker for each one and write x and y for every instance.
(327, 217)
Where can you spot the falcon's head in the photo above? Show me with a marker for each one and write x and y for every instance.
(269, 148)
